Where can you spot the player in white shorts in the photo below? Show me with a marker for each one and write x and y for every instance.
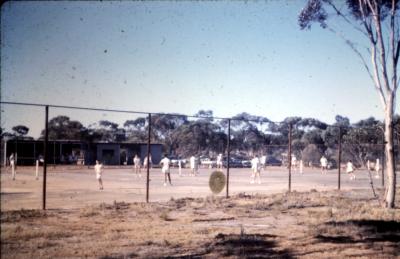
(374, 166)
(194, 166)
(180, 167)
(294, 163)
(12, 165)
(98, 170)
(263, 162)
(137, 165)
(350, 170)
(255, 169)
(324, 164)
(219, 161)
(165, 163)
(145, 162)
(377, 168)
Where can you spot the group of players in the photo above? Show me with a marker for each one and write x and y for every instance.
(165, 168)
(257, 165)
(165, 163)
(350, 167)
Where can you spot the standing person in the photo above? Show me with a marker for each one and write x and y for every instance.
(350, 170)
(294, 163)
(165, 162)
(180, 166)
(98, 170)
(12, 165)
(377, 168)
(137, 165)
(37, 170)
(219, 161)
(301, 166)
(193, 166)
(149, 161)
(324, 164)
(255, 168)
(263, 162)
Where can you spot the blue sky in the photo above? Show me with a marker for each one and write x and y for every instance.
(176, 57)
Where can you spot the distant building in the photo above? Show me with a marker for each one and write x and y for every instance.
(78, 152)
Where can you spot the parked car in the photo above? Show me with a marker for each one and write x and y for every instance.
(246, 163)
(332, 164)
(272, 161)
(233, 163)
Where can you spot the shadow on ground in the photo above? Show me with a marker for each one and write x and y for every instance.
(247, 246)
(367, 231)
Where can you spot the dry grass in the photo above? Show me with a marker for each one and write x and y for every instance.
(307, 225)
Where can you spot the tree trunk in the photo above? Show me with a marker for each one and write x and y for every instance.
(389, 150)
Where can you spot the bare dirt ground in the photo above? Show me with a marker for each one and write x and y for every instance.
(314, 221)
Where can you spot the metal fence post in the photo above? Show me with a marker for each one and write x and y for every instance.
(16, 154)
(148, 160)
(5, 153)
(228, 158)
(54, 154)
(383, 160)
(339, 156)
(290, 157)
(46, 140)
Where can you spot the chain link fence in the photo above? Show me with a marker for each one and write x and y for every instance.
(255, 154)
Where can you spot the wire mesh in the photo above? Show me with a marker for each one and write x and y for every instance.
(256, 155)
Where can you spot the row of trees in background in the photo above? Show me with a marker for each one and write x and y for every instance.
(184, 136)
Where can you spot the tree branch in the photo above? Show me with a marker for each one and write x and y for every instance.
(377, 79)
(394, 48)
(372, 37)
(377, 19)
(340, 14)
(351, 45)
(367, 23)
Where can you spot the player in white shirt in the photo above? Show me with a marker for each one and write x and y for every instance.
(145, 162)
(194, 166)
(137, 165)
(374, 166)
(12, 165)
(219, 161)
(98, 170)
(165, 163)
(324, 164)
(263, 162)
(350, 170)
(255, 169)
(377, 168)
(301, 166)
(180, 167)
(294, 163)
